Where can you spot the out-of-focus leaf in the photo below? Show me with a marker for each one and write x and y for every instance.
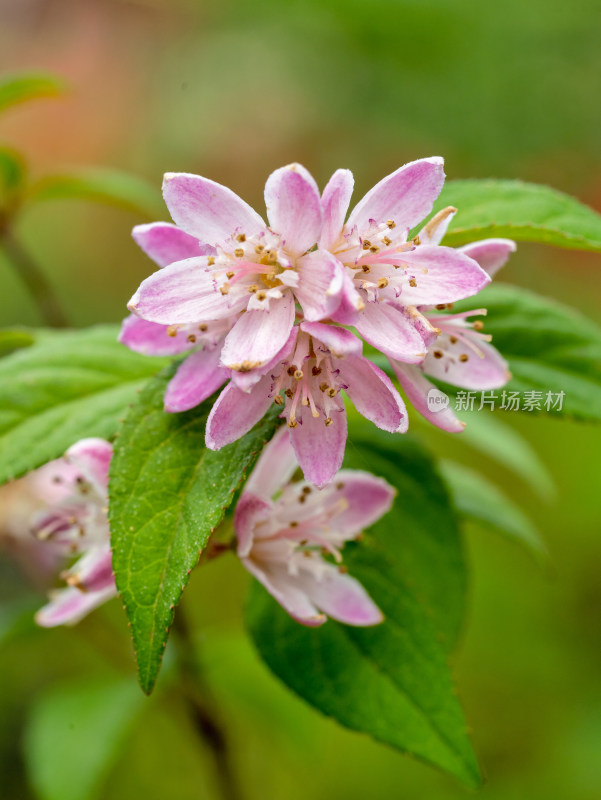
(74, 736)
(391, 680)
(522, 211)
(13, 171)
(65, 387)
(481, 501)
(168, 493)
(25, 86)
(15, 338)
(100, 185)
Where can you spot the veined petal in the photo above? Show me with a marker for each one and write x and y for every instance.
(483, 368)
(335, 202)
(166, 243)
(491, 254)
(320, 284)
(234, 413)
(259, 335)
(368, 498)
(319, 448)
(394, 331)
(340, 596)
(441, 275)
(93, 572)
(195, 380)
(182, 293)
(351, 302)
(92, 457)
(68, 606)
(372, 393)
(250, 510)
(418, 388)
(406, 196)
(246, 380)
(294, 207)
(207, 210)
(340, 341)
(151, 339)
(275, 467)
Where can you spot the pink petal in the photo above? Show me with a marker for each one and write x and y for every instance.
(418, 388)
(93, 571)
(406, 196)
(351, 302)
(246, 380)
(339, 341)
(275, 467)
(395, 331)
(368, 498)
(442, 275)
(340, 596)
(182, 293)
(68, 606)
(276, 579)
(196, 379)
(320, 284)
(373, 395)
(166, 243)
(294, 207)
(236, 412)
(151, 339)
(92, 457)
(319, 448)
(259, 335)
(250, 510)
(480, 372)
(335, 202)
(491, 254)
(207, 210)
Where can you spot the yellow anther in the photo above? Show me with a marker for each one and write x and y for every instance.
(478, 325)
(241, 237)
(211, 260)
(172, 330)
(292, 423)
(323, 387)
(328, 421)
(416, 240)
(374, 248)
(441, 306)
(239, 252)
(366, 244)
(261, 295)
(315, 371)
(463, 358)
(291, 370)
(191, 338)
(229, 274)
(289, 394)
(453, 339)
(391, 224)
(382, 283)
(225, 288)
(332, 392)
(438, 354)
(278, 400)
(253, 288)
(366, 268)
(203, 327)
(412, 282)
(298, 374)
(387, 241)
(259, 248)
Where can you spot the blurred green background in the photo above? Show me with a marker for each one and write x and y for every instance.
(232, 90)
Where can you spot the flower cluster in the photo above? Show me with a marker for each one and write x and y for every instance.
(269, 307)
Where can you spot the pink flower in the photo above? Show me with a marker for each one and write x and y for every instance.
(305, 380)
(387, 275)
(249, 266)
(281, 542)
(74, 523)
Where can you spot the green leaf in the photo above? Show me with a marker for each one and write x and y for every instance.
(100, 185)
(480, 501)
(391, 680)
(13, 171)
(550, 348)
(522, 211)
(15, 338)
(25, 86)
(168, 493)
(65, 387)
(74, 736)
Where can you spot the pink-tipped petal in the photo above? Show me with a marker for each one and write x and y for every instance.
(406, 196)
(235, 413)
(181, 294)
(276, 580)
(419, 389)
(372, 393)
(335, 202)
(166, 243)
(246, 380)
(491, 254)
(482, 370)
(351, 302)
(275, 467)
(250, 510)
(207, 210)
(259, 335)
(93, 572)
(340, 596)
(319, 448)
(68, 606)
(368, 498)
(92, 457)
(196, 379)
(440, 275)
(152, 339)
(294, 207)
(394, 331)
(339, 341)
(320, 284)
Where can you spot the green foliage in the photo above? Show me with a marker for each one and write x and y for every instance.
(168, 493)
(64, 387)
(13, 172)
(392, 680)
(480, 501)
(522, 211)
(101, 185)
(74, 735)
(549, 347)
(23, 86)
(15, 338)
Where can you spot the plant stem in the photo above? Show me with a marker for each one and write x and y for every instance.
(201, 707)
(36, 283)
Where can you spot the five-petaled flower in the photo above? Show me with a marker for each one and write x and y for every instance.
(283, 541)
